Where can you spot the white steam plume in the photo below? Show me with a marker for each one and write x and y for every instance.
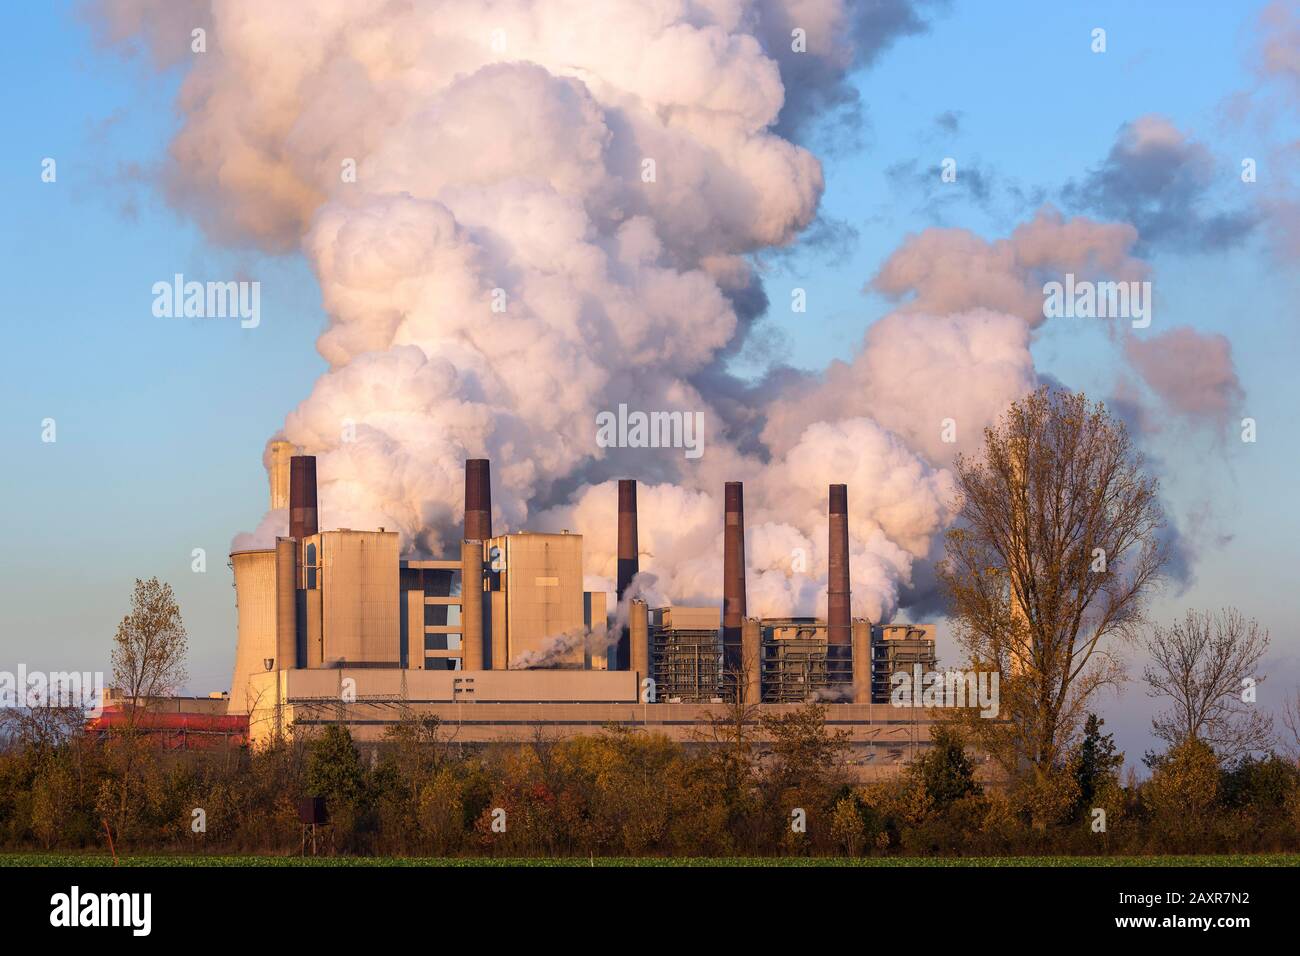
(602, 172)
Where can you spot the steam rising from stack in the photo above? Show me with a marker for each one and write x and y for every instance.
(499, 272)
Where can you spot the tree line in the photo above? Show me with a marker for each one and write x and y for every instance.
(1058, 547)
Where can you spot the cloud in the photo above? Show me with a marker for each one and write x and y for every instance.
(556, 213)
(1192, 372)
(1161, 181)
(941, 271)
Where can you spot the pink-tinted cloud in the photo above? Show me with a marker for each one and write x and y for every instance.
(1191, 371)
(941, 271)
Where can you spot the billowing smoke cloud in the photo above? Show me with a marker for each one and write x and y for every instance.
(553, 211)
(1191, 371)
(1160, 180)
(941, 271)
(1277, 61)
(1279, 47)
(934, 380)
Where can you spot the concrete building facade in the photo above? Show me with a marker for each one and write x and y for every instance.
(502, 642)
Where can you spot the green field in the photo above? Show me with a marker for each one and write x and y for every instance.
(79, 859)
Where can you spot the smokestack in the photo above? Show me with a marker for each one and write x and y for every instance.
(838, 634)
(628, 563)
(478, 500)
(302, 497)
(280, 453)
(733, 578)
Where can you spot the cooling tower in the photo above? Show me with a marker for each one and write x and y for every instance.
(478, 500)
(255, 601)
(733, 577)
(302, 497)
(628, 564)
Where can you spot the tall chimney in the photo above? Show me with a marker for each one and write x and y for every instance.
(302, 497)
(628, 563)
(733, 579)
(478, 500)
(278, 456)
(839, 633)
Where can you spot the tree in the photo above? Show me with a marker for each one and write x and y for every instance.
(1203, 663)
(148, 661)
(150, 646)
(1291, 721)
(334, 771)
(945, 772)
(1055, 550)
(1183, 789)
(1097, 766)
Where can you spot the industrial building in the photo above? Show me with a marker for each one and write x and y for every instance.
(501, 641)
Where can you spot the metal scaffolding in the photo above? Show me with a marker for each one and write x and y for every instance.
(798, 666)
(794, 669)
(890, 656)
(686, 664)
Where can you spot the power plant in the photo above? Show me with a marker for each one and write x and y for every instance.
(501, 641)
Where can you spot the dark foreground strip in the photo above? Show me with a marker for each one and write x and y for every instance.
(339, 904)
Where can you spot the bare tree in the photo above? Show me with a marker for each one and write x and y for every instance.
(1204, 663)
(150, 646)
(1291, 721)
(1047, 570)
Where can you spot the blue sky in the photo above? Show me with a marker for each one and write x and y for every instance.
(160, 427)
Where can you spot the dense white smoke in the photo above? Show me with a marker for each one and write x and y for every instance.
(551, 215)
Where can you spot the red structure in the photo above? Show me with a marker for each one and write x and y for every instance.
(175, 729)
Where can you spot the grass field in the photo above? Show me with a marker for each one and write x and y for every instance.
(86, 859)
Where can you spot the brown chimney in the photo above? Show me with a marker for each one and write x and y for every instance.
(302, 497)
(839, 625)
(478, 500)
(733, 576)
(628, 561)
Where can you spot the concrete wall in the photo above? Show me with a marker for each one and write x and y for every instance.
(542, 582)
(882, 740)
(360, 617)
(688, 618)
